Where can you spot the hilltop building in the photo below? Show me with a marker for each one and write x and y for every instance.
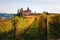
(26, 12)
(23, 12)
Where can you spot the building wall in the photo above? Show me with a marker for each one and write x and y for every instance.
(26, 12)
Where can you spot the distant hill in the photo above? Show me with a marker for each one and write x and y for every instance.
(6, 15)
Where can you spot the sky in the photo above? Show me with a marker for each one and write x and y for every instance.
(11, 6)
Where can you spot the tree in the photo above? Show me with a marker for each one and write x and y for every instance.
(45, 13)
(20, 12)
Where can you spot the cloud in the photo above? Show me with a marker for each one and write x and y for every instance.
(56, 6)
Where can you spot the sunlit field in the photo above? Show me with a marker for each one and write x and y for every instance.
(6, 29)
(42, 27)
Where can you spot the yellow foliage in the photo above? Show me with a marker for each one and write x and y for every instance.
(5, 26)
(22, 23)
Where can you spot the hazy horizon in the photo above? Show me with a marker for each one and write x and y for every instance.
(11, 6)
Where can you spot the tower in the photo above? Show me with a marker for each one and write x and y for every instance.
(28, 9)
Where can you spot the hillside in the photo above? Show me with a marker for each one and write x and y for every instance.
(30, 27)
(6, 15)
